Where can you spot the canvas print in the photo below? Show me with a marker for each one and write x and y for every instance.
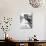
(26, 20)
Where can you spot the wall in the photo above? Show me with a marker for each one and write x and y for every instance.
(13, 8)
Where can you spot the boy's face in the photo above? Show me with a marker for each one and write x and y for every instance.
(26, 16)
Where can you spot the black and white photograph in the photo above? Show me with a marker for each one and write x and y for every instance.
(26, 20)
